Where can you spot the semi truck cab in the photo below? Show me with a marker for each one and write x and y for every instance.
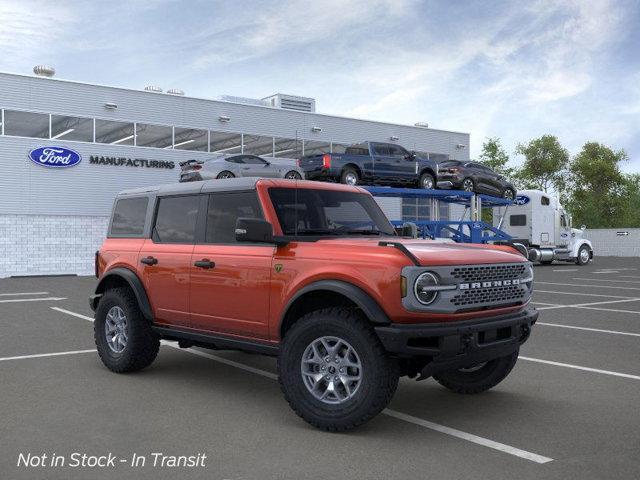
(538, 221)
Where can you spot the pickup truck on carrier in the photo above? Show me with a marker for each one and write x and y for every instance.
(372, 163)
(314, 274)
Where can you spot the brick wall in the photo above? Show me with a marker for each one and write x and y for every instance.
(49, 245)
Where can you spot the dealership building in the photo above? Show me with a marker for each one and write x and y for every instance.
(53, 219)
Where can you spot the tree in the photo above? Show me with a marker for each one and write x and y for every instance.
(545, 164)
(599, 191)
(495, 157)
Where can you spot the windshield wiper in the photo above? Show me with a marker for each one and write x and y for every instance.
(364, 232)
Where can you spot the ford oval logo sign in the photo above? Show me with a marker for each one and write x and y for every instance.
(521, 200)
(55, 157)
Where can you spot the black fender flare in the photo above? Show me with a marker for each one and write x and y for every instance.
(133, 281)
(362, 299)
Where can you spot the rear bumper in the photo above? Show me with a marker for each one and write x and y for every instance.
(459, 345)
(190, 177)
(319, 173)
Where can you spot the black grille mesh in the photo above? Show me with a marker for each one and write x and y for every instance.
(511, 293)
(485, 273)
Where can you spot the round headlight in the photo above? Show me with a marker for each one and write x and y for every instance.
(422, 288)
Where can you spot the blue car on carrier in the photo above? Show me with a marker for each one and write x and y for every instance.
(372, 163)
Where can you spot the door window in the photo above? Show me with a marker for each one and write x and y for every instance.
(223, 211)
(176, 219)
(381, 150)
(253, 160)
(397, 151)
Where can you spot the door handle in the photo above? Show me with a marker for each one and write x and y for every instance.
(204, 263)
(149, 260)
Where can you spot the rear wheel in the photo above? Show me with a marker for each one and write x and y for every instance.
(333, 370)
(478, 378)
(468, 185)
(123, 337)
(293, 175)
(225, 174)
(349, 177)
(584, 255)
(508, 194)
(427, 181)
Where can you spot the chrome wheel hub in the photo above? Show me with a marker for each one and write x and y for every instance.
(116, 330)
(467, 186)
(584, 255)
(427, 183)
(351, 179)
(331, 370)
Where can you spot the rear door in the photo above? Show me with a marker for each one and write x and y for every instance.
(166, 258)
(382, 162)
(230, 282)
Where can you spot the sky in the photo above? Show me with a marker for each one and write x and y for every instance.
(514, 70)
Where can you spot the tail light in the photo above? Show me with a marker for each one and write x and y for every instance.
(298, 161)
(326, 161)
(196, 167)
(452, 170)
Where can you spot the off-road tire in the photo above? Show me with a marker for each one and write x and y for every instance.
(424, 177)
(380, 373)
(490, 375)
(578, 260)
(142, 344)
(347, 171)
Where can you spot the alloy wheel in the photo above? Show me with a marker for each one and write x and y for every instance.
(331, 370)
(508, 194)
(467, 185)
(116, 329)
(350, 178)
(427, 183)
(293, 176)
(584, 255)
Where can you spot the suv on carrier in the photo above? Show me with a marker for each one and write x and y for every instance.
(314, 274)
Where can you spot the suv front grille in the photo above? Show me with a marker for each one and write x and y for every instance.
(498, 295)
(485, 273)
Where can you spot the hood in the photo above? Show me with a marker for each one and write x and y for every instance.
(434, 252)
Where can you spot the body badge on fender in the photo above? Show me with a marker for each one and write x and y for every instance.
(55, 157)
(278, 267)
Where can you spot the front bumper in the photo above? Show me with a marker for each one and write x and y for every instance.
(459, 345)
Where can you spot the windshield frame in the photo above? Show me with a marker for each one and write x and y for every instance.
(378, 225)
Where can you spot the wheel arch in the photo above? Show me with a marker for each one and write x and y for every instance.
(428, 170)
(123, 277)
(578, 245)
(326, 293)
(354, 167)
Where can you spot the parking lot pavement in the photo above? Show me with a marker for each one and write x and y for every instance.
(568, 410)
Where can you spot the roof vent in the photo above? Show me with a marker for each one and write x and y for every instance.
(153, 88)
(175, 91)
(422, 124)
(44, 71)
(292, 102)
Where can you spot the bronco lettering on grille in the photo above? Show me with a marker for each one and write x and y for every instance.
(493, 283)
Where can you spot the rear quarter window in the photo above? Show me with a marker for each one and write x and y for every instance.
(129, 217)
(176, 219)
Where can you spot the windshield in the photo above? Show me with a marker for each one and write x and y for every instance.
(308, 212)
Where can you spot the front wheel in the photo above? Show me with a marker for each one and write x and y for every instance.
(478, 378)
(584, 255)
(427, 181)
(225, 174)
(508, 194)
(468, 185)
(333, 370)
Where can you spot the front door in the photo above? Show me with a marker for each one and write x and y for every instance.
(255, 166)
(165, 259)
(230, 281)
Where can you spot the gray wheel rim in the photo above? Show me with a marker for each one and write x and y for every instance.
(467, 186)
(331, 370)
(473, 368)
(350, 178)
(116, 329)
(584, 255)
(293, 176)
(508, 194)
(226, 175)
(427, 182)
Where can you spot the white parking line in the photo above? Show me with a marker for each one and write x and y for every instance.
(44, 299)
(588, 305)
(605, 280)
(584, 294)
(40, 355)
(578, 367)
(468, 437)
(566, 270)
(590, 286)
(23, 293)
(610, 310)
(588, 329)
(533, 457)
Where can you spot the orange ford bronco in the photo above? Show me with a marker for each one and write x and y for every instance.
(314, 274)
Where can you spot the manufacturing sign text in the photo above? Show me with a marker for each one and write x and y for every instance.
(131, 162)
(55, 157)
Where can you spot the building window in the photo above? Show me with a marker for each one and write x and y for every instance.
(26, 124)
(114, 133)
(190, 139)
(258, 145)
(418, 209)
(225, 142)
(158, 136)
(287, 148)
(72, 128)
(316, 148)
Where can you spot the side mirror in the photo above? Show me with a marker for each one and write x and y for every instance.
(254, 230)
(409, 229)
(583, 227)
